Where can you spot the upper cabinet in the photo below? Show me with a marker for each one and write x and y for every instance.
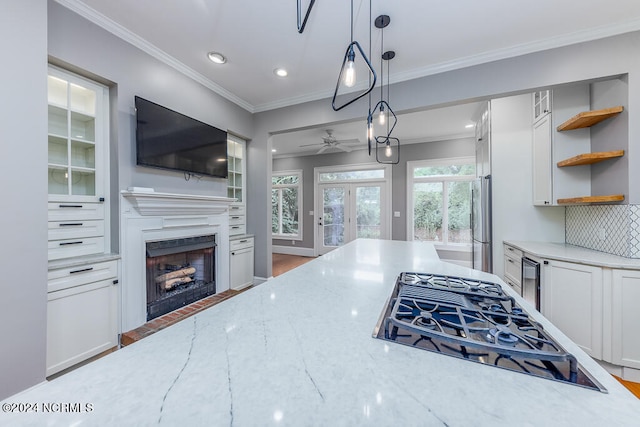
(573, 147)
(236, 184)
(78, 165)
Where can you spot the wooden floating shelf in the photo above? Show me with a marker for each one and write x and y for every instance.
(590, 158)
(591, 199)
(589, 118)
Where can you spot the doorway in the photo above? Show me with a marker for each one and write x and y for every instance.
(351, 202)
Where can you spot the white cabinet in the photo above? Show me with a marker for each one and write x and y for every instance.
(81, 314)
(572, 300)
(236, 184)
(625, 318)
(513, 267)
(541, 156)
(241, 260)
(551, 182)
(541, 104)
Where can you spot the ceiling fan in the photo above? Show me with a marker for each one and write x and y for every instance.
(331, 141)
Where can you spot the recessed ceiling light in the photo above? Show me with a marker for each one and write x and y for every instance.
(469, 126)
(273, 150)
(281, 72)
(217, 57)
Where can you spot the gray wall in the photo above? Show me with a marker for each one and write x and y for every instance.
(421, 151)
(23, 171)
(75, 40)
(610, 177)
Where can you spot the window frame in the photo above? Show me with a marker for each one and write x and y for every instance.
(279, 187)
(411, 180)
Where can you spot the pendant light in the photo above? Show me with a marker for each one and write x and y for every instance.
(347, 76)
(303, 22)
(384, 114)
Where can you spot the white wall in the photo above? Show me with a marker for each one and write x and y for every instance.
(514, 216)
(23, 172)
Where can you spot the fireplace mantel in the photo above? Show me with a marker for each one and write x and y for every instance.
(151, 203)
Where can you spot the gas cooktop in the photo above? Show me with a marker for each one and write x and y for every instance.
(475, 320)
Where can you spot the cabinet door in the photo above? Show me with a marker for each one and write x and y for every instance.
(573, 302)
(542, 172)
(625, 320)
(241, 274)
(81, 323)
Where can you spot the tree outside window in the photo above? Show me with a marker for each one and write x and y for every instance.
(442, 201)
(286, 202)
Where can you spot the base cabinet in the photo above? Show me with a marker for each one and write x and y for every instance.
(241, 263)
(625, 318)
(572, 300)
(82, 318)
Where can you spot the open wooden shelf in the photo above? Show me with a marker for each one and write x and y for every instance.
(590, 158)
(591, 199)
(589, 118)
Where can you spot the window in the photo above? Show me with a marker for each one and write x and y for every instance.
(440, 201)
(286, 201)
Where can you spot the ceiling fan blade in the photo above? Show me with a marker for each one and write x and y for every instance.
(342, 147)
(311, 145)
(349, 141)
(323, 149)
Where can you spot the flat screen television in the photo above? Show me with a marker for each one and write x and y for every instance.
(169, 140)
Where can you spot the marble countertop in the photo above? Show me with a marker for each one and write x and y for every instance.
(577, 254)
(298, 350)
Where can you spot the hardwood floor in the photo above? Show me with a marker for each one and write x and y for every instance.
(282, 263)
(633, 387)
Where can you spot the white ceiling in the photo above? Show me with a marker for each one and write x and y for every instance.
(428, 36)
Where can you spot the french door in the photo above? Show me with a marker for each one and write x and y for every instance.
(348, 211)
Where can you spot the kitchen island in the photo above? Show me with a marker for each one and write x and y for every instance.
(298, 350)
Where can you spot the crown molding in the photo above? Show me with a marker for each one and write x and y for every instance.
(118, 30)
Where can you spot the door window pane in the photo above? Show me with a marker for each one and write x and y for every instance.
(333, 216)
(368, 212)
(289, 211)
(459, 212)
(427, 211)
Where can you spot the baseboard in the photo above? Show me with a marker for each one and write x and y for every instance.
(292, 250)
(258, 280)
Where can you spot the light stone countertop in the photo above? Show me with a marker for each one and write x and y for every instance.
(577, 254)
(298, 350)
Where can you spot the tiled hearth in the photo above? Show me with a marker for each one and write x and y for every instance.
(169, 319)
(614, 229)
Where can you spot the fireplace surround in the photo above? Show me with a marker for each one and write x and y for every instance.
(149, 217)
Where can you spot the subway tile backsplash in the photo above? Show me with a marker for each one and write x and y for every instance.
(613, 229)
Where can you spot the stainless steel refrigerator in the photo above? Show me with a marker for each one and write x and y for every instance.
(481, 223)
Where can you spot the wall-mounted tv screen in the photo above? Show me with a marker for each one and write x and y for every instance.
(167, 139)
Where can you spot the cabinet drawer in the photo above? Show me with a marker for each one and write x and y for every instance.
(236, 219)
(59, 249)
(235, 245)
(236, 210)
(61, 230)
(513, 268)
(64, 278)
(515, 285)
(234, 230)
(512, 252)
(69, 211)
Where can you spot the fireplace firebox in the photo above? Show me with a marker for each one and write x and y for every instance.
(179, 272)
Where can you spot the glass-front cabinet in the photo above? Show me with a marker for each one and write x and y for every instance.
(236, 184)
(75, 136)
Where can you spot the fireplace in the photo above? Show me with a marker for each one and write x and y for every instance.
(155, 225)
(179, 272)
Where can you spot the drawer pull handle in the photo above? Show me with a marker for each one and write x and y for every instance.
(71, 224)
(233, 253)
(511, 261)
(235, 228)
(81, 271)
(243, 241)
(71, 243)
(69, 206)
(235, 217)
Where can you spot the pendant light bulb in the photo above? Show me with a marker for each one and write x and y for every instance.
(370, 131)
(381, 116)
(350, 72)
(387, 150)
